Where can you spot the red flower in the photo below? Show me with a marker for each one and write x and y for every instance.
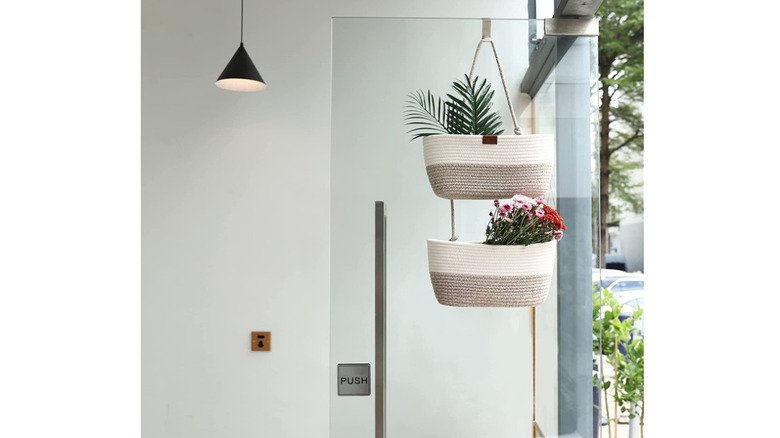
(551, 217)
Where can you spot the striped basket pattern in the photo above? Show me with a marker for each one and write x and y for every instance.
(461, 167)
(471, 274)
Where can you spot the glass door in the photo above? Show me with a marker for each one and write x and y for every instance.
(451, 371)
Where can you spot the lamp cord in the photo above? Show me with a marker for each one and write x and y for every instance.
(242, 21)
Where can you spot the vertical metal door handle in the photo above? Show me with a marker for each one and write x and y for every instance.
(380, 285)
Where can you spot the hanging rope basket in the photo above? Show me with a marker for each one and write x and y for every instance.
(471, 274)
(489, 166)
(496, 167)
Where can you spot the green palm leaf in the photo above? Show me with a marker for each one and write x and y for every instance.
(466, 113)
(426, 114)
(474, 102)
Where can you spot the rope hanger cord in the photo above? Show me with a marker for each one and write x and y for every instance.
(518, 130)
(452, 217)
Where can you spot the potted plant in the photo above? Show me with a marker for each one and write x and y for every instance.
(466, 155)
(613, 340)
(511, 268)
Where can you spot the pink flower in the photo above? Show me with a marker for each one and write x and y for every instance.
(540, 200)
(508, 219)
(495, 202)
(520, 200)
(505, 208)
(539, 212)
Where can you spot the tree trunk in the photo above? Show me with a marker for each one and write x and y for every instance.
(606, 395)
(606, 410)
(617, 415)
(604, 154)
(642, 418)
(633, 424)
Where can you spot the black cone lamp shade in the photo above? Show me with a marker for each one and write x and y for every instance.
(241, 74)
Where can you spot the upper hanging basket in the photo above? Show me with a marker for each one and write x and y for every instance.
(489, 167)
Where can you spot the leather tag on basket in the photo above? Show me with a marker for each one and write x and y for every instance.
(489, 139)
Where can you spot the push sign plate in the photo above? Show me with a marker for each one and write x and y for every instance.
(354, 379)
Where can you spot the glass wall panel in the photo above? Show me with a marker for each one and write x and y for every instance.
(451, 372)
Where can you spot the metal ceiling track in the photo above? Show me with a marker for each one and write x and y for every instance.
(576, 8)
(572, 18)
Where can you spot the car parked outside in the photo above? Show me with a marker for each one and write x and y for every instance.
(624, 283)
(630, 300)
(603, 273)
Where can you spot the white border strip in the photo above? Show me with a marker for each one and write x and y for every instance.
(472, 258)
(510, 150)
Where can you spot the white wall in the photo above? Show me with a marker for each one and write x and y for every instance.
(451, 372)
(235, 213)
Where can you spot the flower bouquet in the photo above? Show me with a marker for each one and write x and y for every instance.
(512, 268)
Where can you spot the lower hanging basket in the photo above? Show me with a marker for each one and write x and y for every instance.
(489, 167)
(470, 274)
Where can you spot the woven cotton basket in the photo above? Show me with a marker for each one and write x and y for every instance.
(470, 274)
(464, 167)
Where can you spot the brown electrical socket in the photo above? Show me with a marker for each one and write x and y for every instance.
(261, 341)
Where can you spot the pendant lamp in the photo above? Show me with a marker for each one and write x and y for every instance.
(240, 73)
